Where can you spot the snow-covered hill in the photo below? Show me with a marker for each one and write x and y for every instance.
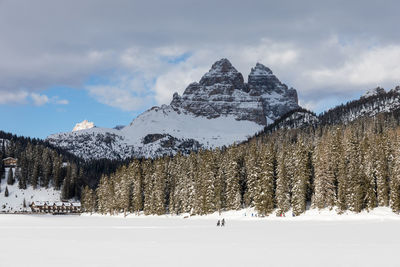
(372, 103)
(217, 111)
(16, 197)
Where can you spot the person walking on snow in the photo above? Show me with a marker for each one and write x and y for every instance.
(218, 223)
(223, 222)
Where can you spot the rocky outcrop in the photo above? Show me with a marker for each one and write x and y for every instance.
(83, 126)
(222, 91)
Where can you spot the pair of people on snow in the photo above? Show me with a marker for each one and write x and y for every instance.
(221, 223)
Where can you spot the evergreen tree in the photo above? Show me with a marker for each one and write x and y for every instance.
(282, 194)
(264, 198)
(301, 179)
(6, 192)
(10, 177)
(231, 169)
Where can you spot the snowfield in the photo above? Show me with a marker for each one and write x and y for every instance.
(93, 240)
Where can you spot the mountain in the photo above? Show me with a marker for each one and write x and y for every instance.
(83, 126)
(219, 110)
(373, 102)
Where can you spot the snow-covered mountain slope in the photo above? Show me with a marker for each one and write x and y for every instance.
(158, 131)
(374, 102)
(294, 119)
(16, 197)
(217, 111)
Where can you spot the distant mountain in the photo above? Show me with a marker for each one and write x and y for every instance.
(219, 110)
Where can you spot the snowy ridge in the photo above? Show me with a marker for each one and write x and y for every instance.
(374, 102)
(158, 131)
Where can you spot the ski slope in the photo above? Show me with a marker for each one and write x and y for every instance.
(101, 241)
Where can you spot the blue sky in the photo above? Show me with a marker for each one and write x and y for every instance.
(40, 121)
(108, 61)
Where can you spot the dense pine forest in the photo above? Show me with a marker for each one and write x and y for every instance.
(354, 166)
(43, 165)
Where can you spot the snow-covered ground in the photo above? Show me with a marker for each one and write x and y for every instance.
(14, 201)
(325, 240)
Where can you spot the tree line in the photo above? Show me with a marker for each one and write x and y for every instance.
(345, 167)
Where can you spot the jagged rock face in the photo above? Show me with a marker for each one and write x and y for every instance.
(222, 91)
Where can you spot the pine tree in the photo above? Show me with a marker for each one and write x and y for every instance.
(324, 172)
(356, 192)
(57, 165)
(88, 200)
(301, 179)
(253, 171)
(10, 177)
(46, 168)
(264, 199)
(231, 169)
(282, 194)
(395, 181)
(137, 194)
(6, 192)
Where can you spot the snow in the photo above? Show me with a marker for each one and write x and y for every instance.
(211, 133)
(16, 196)
(325, 240)
(83, 126)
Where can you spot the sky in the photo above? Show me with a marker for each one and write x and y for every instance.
(107, 61)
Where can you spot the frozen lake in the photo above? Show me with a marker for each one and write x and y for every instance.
(28, 240)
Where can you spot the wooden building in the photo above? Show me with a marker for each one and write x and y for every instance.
(10, 162)
(60, 207)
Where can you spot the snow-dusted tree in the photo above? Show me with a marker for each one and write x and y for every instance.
(282, 194)
(355, 179)
(301, 179)
(219, 182)
(88, 200)
(264, 198)
(123, 190)
(395, 181)
(369, 172)
(159, 183)
(57, 165)
(46, 168)
(382, 171)
(137, 194)
(231, 169)
(253, 172)
(324, 173)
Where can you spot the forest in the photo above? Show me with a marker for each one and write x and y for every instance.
(353, 166)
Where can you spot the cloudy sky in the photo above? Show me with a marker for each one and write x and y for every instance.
(107, 61)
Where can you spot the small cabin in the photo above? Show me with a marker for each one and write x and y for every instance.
(10, 162)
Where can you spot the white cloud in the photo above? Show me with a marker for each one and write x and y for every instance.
(369, 67)
(10, 97)
(118, 97)
(39, 100)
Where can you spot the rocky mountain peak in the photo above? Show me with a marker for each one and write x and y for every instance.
(260, 70)
(222, 72)
(222, 91)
